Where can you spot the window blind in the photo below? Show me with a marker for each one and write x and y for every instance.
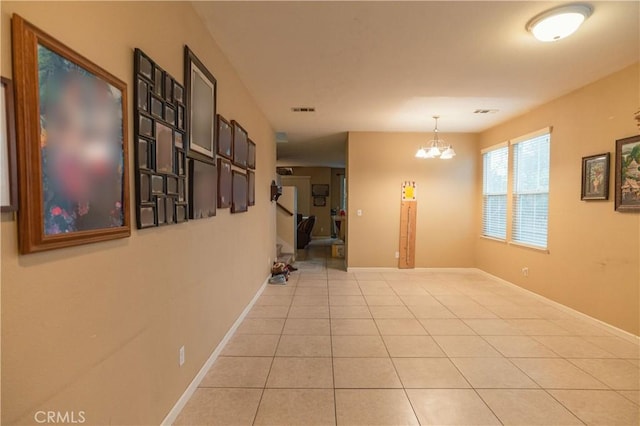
(495, 165)
(531, 191)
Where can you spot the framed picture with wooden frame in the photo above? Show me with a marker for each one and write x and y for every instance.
(595, 177)
(628, 174)
(202, 189)
(74, 189)
(240, 145)
(240, 188)
(225, 183)
(251, 192)
(225, 138)
(201, 88)
(251, 155)
(8, 163)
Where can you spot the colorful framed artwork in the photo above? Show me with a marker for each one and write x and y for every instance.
(628, 174)
(8, 163)
(240, 188)
(201, 87)
(74, 188)
(225, 135)
(240, 145)
(251, 155)
(251, 192)
(202, 189)
(595, 177)
(225, 181)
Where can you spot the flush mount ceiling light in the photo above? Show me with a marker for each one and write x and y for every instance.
(437, 147)
(559, 22)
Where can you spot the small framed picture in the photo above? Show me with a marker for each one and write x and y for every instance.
(225, 143)
(595, 177)
(8, 164)
(164, 148)
(240, 201)
(225, 181)
(628, 174)
(251, 195)
(202, 189)
(320, 190)
(319, 201)
(251, 155)
(240, 145)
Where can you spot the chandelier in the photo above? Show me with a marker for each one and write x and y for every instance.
(436, 147)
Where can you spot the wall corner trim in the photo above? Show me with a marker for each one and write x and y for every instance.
(184, 398)
(630, 337)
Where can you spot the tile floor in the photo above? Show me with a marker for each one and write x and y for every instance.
(408, 348)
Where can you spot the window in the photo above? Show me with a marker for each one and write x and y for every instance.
(495, 163)
(531, 190)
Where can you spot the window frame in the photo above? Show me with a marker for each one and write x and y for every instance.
(483, 233)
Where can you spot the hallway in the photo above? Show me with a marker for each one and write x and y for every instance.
(414, 347)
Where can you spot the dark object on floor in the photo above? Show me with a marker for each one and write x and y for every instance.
(305, 227)
(291, 268)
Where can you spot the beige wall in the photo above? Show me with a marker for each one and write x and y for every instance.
(593, 264)
(377, 164)
(98, 327)
(318, 175)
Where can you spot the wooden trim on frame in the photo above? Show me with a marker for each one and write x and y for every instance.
(605, 182)
(619, 206)
(12, 162)
(25, 39)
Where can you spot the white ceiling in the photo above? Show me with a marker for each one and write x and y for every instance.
(390, 66)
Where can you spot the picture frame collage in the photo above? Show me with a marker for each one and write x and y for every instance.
(160, 155)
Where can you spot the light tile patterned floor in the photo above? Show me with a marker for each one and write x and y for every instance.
(405, 348)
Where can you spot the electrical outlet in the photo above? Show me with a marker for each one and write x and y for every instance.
(321, 229)
(397, 255)
(181, 356)
(525, 271)
(359, 212)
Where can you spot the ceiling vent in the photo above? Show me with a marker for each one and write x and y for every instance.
(485, 111)
(303, 109)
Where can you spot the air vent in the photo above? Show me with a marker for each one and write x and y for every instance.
(303, 109)
(485, 111)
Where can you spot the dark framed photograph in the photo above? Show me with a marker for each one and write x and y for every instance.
(74, 188)
(225, 183)
(164, 148)
(225, 135)
(628, 174)
(8, 163)
(200, 87)
(251, 155)
(320, 190)
(203, 179)
(595, 177)
(240, 144)
(319, 201)
(251, 195)
(240, 200)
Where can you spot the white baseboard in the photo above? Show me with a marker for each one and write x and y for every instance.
(594, 321)
(184, 398)
(396, 269)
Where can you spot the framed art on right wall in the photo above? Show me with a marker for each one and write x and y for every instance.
(628, 174)
(595, 177)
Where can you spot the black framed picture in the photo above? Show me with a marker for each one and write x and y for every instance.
(251, 193)
(595, 177)
(160, 156)
(203, 179)
(320, 190)
(251, 155)
(201, 87)
(240, 144)
(225, 138)
(240, 189)
(225, 183)
(628, 174)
